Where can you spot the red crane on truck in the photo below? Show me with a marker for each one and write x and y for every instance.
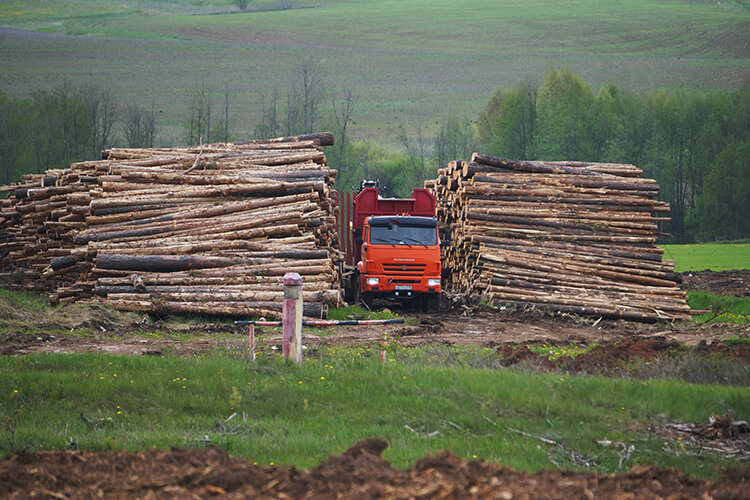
(393, 248)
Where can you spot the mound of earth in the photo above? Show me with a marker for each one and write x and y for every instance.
(611, 358)
(360, 473)
(735, 283)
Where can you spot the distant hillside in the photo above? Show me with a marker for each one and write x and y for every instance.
(409, 62)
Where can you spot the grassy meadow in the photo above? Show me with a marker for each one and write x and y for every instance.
(708, 256)
(410, 62)
(290, 415)
(713, 257)
(723, 308)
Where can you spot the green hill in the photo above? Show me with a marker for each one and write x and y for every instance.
(410, 62)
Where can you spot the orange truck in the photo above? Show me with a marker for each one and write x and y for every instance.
(392, 248)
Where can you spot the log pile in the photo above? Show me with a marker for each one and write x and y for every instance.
(205, 230)
(566, 236)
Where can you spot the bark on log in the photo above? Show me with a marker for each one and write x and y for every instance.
(329, 297)
(321, 139)
(259, 308)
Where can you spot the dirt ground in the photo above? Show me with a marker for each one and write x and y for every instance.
(735, 283)
(94, 329)
(614, 359)
(485, 327)
(360, 472)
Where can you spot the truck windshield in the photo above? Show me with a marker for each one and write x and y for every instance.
(400, 234)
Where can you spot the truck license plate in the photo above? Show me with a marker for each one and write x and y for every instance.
(403, 287)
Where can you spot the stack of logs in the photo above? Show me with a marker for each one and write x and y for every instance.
(567, 236)
(203, 230)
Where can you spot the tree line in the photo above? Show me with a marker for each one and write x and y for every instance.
(695, 144)
(51, 129)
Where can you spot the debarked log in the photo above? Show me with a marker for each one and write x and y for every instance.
(166, 263)
(217, 294)
(259, 308)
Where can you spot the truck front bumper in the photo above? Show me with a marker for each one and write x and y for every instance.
(399, 286)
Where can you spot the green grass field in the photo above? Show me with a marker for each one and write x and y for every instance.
(722, 307)
(291, 415)
(410, 62)
(712, 256)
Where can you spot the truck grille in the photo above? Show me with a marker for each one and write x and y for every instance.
(404, 269)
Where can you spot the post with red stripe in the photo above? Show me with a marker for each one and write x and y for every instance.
(292, 317)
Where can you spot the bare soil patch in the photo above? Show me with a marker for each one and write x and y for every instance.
(735, 283)
(360, 472)
(93, 331)
(613, 358)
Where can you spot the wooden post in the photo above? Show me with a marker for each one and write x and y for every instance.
(383, 345)
(251, 340)
(292, 317)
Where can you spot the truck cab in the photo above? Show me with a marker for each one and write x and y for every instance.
(401, 259)
(396, 248)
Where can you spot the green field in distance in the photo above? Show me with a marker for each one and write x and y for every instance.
(410, 62)
(711, 256)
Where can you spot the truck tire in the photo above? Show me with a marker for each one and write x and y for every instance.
(431, 302)
(365, 298)
(350, 293)
(368, 300)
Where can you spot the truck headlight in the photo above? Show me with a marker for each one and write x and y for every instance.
(373, 281)
(433, 282)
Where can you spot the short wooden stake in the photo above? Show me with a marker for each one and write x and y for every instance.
(292, 317)
(251, 340)
(382, 346)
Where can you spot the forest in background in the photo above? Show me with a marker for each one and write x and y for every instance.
(695, 144)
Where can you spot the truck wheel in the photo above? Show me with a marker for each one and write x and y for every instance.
(349, 290)
(431, 302)
(365, 298)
